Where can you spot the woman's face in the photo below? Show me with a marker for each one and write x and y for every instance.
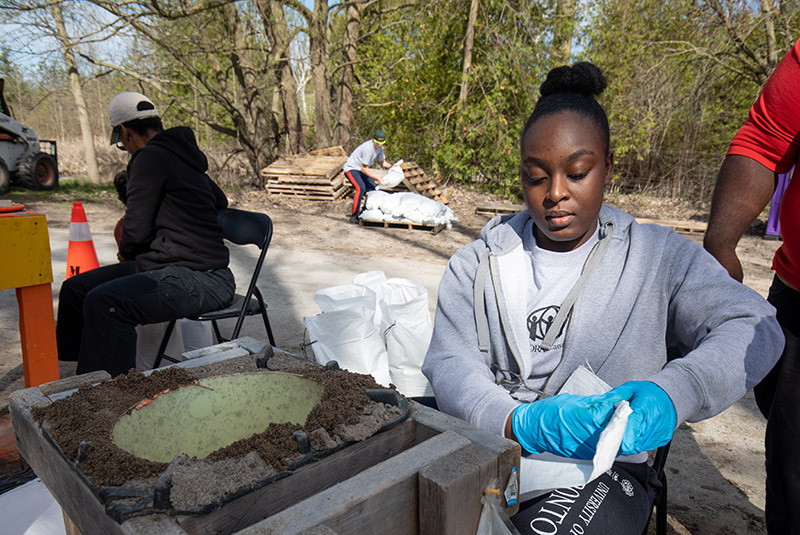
(564, 171)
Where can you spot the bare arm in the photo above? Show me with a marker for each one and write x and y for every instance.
(509, 433)
(365, 170)
(743, 189)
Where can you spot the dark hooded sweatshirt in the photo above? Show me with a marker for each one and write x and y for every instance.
(171, 214)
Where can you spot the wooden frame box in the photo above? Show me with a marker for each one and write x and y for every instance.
(424, 476)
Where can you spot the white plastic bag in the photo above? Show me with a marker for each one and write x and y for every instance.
(349, 337)
(347, 297)
(186, 336)
(407, 331)
(374, 281)
(375, 325)
(491, 523)
(393, 177)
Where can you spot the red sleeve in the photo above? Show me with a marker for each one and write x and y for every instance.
(770, 134)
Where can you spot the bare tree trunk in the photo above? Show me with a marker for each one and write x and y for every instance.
(345, 124)
(285, 106)
(469, 41)
(768, 10)
(77, 94)
(562, 32)
(320, 61)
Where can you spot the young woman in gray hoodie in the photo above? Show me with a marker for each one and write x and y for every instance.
(574, 297)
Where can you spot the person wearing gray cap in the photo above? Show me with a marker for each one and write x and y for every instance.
(173, 262)
(358, 172)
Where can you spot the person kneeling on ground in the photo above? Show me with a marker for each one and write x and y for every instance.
(572, 286)
(358, 172)
(173, 260)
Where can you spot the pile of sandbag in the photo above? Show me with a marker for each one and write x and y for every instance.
(406, 207)
(377, 326)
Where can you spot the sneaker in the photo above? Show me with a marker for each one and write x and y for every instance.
(354, 219)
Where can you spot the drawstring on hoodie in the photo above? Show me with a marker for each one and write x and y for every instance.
(482, 320)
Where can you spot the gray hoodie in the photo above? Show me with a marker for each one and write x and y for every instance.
(651, 290)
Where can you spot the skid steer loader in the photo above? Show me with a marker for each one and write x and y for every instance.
(24, 159)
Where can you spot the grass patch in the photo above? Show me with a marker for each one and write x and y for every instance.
(68, 189)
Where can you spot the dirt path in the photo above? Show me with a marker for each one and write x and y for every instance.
(715, 468)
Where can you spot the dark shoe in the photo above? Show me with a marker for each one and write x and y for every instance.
(354, 219)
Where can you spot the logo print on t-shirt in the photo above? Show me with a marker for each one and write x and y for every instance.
(539, 321)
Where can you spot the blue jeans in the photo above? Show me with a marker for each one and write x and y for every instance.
(98, 311)
(778, 397)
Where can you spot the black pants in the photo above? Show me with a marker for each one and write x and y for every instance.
(778, 398)
(362, 184)
(98, 311)
(618, 502)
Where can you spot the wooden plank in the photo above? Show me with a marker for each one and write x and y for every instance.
(81, 505)
(299, 179)
(69, 526)
(430, 422)
(434, 229)
(303, 483)
(382, 499)
(300, 187)
(336, 170)
(74, 382)
(686, 227)
(488, 208)
(308, 197)
(450, 491)
(336, 150)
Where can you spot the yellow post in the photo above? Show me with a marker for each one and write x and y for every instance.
(25, 249)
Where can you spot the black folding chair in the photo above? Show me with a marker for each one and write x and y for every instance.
(659, 462)
(242, 228)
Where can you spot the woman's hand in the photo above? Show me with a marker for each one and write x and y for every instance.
(653, 420)
(565, 424)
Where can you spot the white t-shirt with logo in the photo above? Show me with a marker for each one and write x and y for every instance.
(554, 275)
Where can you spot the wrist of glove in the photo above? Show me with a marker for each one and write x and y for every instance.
(565, 424)
(653, 420)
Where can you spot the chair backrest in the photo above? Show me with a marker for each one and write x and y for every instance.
(244, 228)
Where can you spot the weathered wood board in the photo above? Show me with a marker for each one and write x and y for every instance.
(426, 475)
(433, 229)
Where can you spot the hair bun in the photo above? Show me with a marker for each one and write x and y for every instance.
(583, 78)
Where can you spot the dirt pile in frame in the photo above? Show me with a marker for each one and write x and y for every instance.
(82, 423)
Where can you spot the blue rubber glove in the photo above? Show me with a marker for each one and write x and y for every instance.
(653, 420)
(565, 424)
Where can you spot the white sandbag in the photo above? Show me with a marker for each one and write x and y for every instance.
(375, 199)
(186, 336)
(349, 337)
(196, 334)
(347, 297)
(409, 207)
(374, 281)
(374, 215)
(393, 177)
(407, 332)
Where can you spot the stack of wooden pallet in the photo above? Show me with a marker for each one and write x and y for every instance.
(315, 175)
(417, 181)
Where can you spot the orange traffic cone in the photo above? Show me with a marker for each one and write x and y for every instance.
(81, 256)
